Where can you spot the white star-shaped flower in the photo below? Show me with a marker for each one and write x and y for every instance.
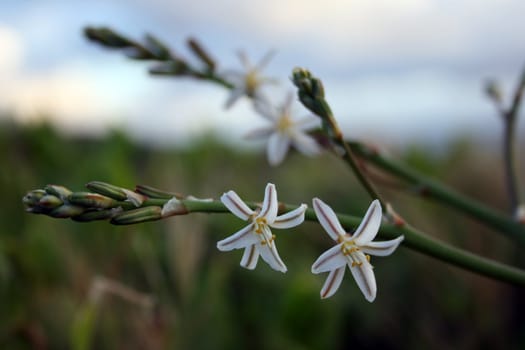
(352, 250)
(248, 81)
(257, 238)
(284, 131)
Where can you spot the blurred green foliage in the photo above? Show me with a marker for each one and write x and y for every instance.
(202, 298)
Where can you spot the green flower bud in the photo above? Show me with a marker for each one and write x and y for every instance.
(92, 200)
(108, 190)
(138, 215)
(59, 191)
(49, 201)
(94, 215)
(32, 198)
(66, 211)
(199, 51)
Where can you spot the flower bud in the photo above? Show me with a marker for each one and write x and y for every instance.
(66, 211)
(199, 51)
(156, 193)
(49, 201)
(138, 215)
(59, 191)
(94, 215)
(92, 200)
(108, 190)
(32, 198)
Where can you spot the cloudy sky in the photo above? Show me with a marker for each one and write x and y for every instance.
(400, 70)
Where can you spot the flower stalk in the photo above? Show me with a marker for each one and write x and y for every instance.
(413, 239)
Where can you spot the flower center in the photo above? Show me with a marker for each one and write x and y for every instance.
(261, 229)
(350, 251)
(251, 82)
(284, 123)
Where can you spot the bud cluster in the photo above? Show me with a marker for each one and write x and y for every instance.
(106, 202)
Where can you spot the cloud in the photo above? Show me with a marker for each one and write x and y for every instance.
(12, 52)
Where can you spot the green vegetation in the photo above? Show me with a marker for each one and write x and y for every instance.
(163, 285)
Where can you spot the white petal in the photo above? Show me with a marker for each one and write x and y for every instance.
(265, 109)
(270, 204)
(241, 239)
(250, 257)
(328, 219)
(264, 60)
(332, 259)
(383, 248)
(307, 123)
(270, 255)
(305, 144)
(235, 94)
(368, 228)
(244, 60)
(291, 219)
(236, 205)
(259, 133)
(332, 283)
(364, 276)
(278, 145)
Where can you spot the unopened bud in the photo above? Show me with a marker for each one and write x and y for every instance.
(94, 215)
(138, 215)
(156, 47)
(32, 198)
(50, 201)
(156, 193)
(108, 190)
(493, 91)
(199, 51)
(92, 200)
(59, 191)
(66, 211)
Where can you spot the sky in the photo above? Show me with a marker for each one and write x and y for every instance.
(396, 70)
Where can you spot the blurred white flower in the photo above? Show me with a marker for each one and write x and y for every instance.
(257, 238)
(352, 250)
(284, 131)
(248, 81)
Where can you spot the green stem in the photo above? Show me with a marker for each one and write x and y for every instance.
(414, 239)
(441, 193)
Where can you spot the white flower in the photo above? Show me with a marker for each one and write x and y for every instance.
(249, 81)
(351, 250)
(284, 131)
(257, 238)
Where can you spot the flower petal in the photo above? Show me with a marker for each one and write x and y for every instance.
(383, 248)
(250, 257)
(236, 205)
(235, 94)
(328, 219)
(278, 145)
(241, 239)
(265, 109)
(270, 204)
(368, 228)
(332, 259)
(332, 283)
(264, 60)
(364, 276)
(259, 133)
(291, 219)
(269, 254)
(305, 144)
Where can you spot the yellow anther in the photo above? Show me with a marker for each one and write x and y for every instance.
(367, 257)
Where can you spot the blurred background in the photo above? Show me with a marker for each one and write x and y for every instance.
(408, 76)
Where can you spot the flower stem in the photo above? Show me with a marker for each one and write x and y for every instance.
(439, 192)
(414, 239)
(509, 146)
